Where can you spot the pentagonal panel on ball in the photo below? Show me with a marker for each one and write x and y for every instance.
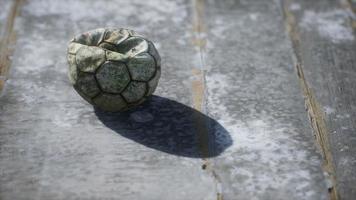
(134, 91)
(152, 84)
(142, 67)
(86, 85)
(153, 52)
(113, 77)
(110, 102)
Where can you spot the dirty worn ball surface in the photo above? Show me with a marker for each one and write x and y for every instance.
(113, 69)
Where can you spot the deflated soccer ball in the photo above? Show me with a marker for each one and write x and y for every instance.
(113, 69)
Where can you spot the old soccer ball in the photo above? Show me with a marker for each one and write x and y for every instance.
(113, 69)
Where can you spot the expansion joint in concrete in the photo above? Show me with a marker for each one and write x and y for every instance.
(314, 111)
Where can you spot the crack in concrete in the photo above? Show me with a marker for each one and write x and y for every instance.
(7, 42)
(314, 111)
(350, 4)
(198, 81)
(199, 92)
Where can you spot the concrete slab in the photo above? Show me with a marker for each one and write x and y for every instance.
(326, 54)
(227, 120)
(55, 146)
(253, 91)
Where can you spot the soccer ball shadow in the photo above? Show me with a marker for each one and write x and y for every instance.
(171, 127)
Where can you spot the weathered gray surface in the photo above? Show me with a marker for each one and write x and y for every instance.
(254, 93)
(231, 60)
(52, 144)
(328, 54)
(5, 6)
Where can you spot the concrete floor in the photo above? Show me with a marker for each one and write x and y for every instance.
(227, 121)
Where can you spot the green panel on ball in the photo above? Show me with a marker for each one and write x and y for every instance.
(113, 77)
(110, 102)
(114, 56)
(90, 58)
(152, 84)
(96, 36)
(108, 46)
(87, 85)
(134, 91)
(73, 74)
(74, 47)
(91, 38)
(116, 36)
(142, 67)
(133, 46)
(153, 52)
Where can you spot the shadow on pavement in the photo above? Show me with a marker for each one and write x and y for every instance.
(171, 127)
